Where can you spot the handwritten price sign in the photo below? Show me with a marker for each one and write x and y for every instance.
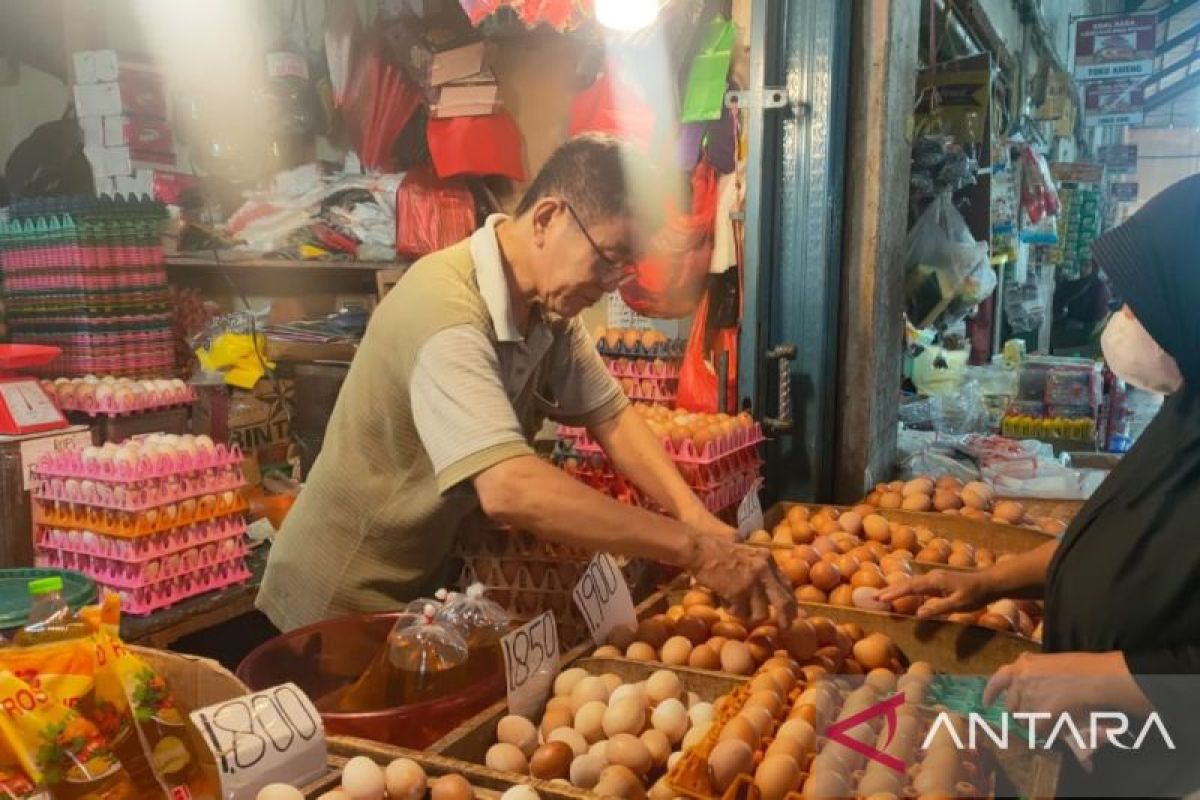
(531, 663)
(750, 513)
(603, 598)
(266, 737)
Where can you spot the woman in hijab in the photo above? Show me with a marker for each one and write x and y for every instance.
(1122, 615)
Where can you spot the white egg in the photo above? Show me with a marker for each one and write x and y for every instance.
(520, 792)
(279, 791)
(90, 454)
(362, 779)
(702, 712)
(204, 443)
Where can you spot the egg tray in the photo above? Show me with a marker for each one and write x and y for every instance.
(128, 524)
(138, 574)
(144, 401)
(141, 496)
(143, 549)
(512, 575)
(671, 349)
(70, 464)
(704, 477)
(666, 370)
(148, 599)
(685, 452)
(656, 392)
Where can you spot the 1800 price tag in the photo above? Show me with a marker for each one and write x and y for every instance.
(531, 663)
(266, 737)
(603, 598)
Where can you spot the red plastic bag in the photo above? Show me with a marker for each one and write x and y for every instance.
(483, 145)
(377, 105)
(669, 281)
(698, 374)
(613, 107)
(431, 214)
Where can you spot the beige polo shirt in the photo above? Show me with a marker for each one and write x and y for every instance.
(442, 388)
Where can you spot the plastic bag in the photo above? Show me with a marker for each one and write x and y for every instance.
(378, 104)
(705, 94)
(670, 280)
(698, 384)
(940, 255)
(342, 31)
(431, 214)
(483, 145)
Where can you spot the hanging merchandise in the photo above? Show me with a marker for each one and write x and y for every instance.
(562, 15)
(698, 378)
(614, 107)
(704, 98)
(476, 146)
(343, 30)
(431, 213)
(1039, 199)
(669, 281)
(1026, 301)
(1005, 207)
(946, 268)
(939, 164)
(379, 103)
(1078, 227)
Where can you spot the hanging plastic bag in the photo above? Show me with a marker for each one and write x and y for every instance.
(705, 94)
(483, 145)
(698, 380)
(669, 281)
(940, 254)
(431, 214)
(378, 104)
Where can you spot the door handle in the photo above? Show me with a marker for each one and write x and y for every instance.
(782, 355)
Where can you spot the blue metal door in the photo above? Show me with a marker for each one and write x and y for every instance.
(788, 349)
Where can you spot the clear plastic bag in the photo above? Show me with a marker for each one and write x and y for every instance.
(940, 256)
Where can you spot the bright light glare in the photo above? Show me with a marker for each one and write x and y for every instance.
(626, 15)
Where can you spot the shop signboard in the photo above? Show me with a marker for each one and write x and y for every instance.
(1076, 172)
(1115, 46)
(1124, 192)
(1119, 101)
(1119, 157)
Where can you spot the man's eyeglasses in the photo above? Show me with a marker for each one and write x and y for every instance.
(612, 263)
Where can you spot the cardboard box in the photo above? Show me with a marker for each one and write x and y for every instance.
(467, 100)
(260, 420)
(142, 135)
(138, 93)
(456, 64)
(102, 66)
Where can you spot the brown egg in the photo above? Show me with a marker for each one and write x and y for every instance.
(655, 631)
(716, 643)
(659, 746)
(554, 719)
(675, 651)
(907, 605)
(797, 514)
(776, 776)
(917, 502)
(736, 658)
(873, 651)
(946, 498)
(1052, 526)
(994, 621)
(692, 629)
(768, 699)
(904, 538)
(917, 486)
(794, 569)
(876, 528)
(984, 558)
(800, 640)
(730, 630)
(706, 614)
(810, 594)
(961, 559)
(607, 651)
(758, 537)
(640, 651)
(868, 575)
(519, 732)
(551, 760)
(697, 597)
(974, 500)
(842, 596)
(629, 751)
(825, 783)
(622, 636)
(1009, 511)
(704, 657)
(619, 781)
(451, 787)
(891, 500)
(949, 482)
(825, 576)
(730, 758)
(851, 522)
(825, 629)
(932, 555)
(847, 564)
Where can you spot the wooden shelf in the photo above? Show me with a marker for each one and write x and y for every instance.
(275, 276)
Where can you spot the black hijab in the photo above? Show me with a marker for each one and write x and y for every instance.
(1126, 573)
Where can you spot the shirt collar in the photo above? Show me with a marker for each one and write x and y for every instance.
(493, 285)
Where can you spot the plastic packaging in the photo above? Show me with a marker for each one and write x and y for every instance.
(431, 214)
(46, 601)
(482, 623)
(943, 261)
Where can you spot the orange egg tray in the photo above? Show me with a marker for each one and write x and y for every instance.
(130, 524)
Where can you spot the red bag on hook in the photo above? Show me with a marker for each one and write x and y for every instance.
(669, 281)
(698, 380)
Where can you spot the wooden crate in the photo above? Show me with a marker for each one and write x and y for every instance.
(996, 537)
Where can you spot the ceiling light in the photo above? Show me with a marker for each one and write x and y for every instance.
(626, 15)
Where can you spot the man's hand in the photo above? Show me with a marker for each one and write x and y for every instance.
(703, 521)
(745, 577)
(947, 592)
(1057, 683)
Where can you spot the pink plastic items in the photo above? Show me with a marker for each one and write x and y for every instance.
(123, 463)
(685, 451)
(117, 396)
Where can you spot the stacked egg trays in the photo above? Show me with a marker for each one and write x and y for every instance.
(720, 474)
(529, 577)
(645, 380)
(111, 396)
(154, 529)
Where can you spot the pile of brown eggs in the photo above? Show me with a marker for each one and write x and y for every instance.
(700, 635)
(948, 495)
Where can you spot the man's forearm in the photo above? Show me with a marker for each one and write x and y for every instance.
(639, 456)
(533, 496)
(1023, 576)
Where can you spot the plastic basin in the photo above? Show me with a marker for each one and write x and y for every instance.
(330, 655)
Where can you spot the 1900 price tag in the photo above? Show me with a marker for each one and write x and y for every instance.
(270, 736)
(531, 663)
(750, 513)
(603, 598)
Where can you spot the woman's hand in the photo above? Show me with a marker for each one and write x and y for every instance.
(1057, 683)
(946, 592)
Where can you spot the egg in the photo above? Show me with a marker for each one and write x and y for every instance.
(729, 758)
(362, 779)
(627, 716)
(627, 750)
(334, 794)
(606, 651)
(587, 690)
(825, 576)
(554, 719)
(655, 631)
(873, 651)
(741, 729)
(612, 682)
(736, 659)
(696, 734)
(551, 760)
(776, 776)
(451, 787)
(589, 720)
(640, 651)
(626, 691)
(659, 746)
(1009, 511)
(520, 792)
(704, 657)
(619, 781)
(567, 679)
(279, 791)
(506, 758)
(676, 651)
(586, 769)
(700, 713)
(672, 719)
(663, 685)
(405, 780)
(572, 738)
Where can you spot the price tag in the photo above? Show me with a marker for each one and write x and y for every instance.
(603, 598)
(531, 663)
(272, 736)
(750, 513)
(32, 450)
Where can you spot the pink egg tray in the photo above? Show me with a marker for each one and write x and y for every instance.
(138, 574)
(685, 452)
(672, 349)
(648, 390)
(70, 464)
(142, 495)
(107, 404)
(699, 477)
(134, 524)
(625, 368)
(90, 543)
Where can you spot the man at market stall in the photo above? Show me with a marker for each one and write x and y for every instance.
(1122, 619)
(463, 360)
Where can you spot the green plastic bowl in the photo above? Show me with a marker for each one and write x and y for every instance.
(78, 590)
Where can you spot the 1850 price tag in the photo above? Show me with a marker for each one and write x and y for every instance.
(266, 737)
(603, 598)
(750, 513)
(531, 663)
